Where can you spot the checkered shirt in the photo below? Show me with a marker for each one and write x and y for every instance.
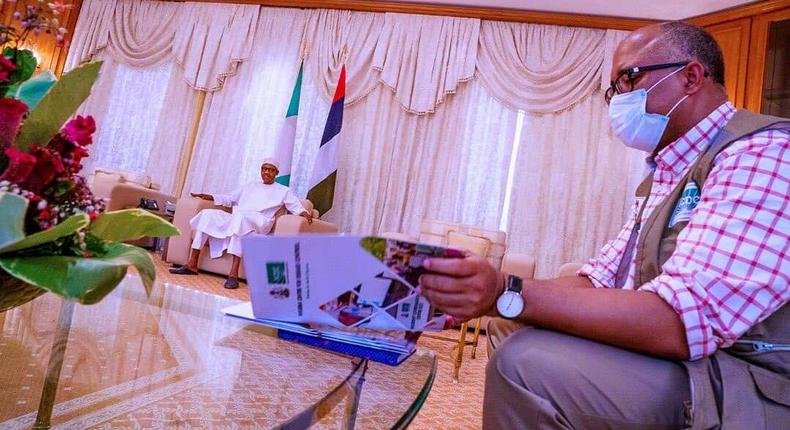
(731, 265)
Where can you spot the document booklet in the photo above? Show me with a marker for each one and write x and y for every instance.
(341, 281)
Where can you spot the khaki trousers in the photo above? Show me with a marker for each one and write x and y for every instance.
(539, 379)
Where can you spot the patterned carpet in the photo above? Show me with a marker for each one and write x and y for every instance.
(449, 405)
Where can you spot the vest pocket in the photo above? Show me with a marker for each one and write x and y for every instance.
(771, 385)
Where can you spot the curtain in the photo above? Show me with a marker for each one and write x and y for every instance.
(573, 186)
(240, 124)
(143, 116)
(207, 40)
(396, 169)
(543, 68)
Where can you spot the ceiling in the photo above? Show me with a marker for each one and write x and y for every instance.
(648, 9)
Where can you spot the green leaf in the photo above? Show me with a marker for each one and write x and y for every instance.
(12, 218)
(84, 280)
(131, 224)
(25, 63)
(32, 91)
(68, 227)
(57, 106)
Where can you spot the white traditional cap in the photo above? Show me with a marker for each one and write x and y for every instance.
(273, 162)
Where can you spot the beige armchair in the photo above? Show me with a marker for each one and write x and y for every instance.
(492, 244)
(123, 190)
(178, 247)
(569, 269)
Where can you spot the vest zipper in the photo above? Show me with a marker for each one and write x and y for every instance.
(759, 346)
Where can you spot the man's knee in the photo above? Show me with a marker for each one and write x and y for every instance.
(497, 330)
(538, 360)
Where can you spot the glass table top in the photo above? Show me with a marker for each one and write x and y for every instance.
(173, 360)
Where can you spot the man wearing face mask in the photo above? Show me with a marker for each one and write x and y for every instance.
(681, 321)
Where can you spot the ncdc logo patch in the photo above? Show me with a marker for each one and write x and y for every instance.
(686, 203)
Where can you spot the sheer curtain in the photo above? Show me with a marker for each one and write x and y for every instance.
(396, 169)
(240, 124)
(573, 185)
(143, 116)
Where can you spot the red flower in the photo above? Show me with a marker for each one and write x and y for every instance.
(20, 166)
(6, 68)
(11, 113)
(71, 153)
(48, 167)
(79, 130)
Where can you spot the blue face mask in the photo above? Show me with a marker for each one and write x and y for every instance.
(632, 123)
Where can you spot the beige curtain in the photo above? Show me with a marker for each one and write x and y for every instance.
(396, 169)
(240, 123)
(207, 40)
(542, 68)
(573, 185)
(423, 59)
(337, 37)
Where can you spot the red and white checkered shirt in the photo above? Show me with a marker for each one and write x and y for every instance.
(731, 265)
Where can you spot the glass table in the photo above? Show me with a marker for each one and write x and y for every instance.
(172, 360)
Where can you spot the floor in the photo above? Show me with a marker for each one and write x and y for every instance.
(449, 405)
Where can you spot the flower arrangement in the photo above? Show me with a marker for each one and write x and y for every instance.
(55, 235)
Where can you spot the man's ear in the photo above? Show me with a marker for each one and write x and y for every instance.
(695, 75)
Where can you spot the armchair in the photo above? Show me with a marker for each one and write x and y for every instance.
(178, 247)
(124, 190)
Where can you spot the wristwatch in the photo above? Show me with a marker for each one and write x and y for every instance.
(511, 303)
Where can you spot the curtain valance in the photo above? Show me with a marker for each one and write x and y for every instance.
(208, 40)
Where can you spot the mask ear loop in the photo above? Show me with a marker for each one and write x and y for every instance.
(677, 104)
(662, 80)
(665, 78)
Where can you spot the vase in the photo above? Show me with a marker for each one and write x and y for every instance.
(14, 292)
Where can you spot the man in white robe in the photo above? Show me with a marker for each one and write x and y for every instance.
(254, 206)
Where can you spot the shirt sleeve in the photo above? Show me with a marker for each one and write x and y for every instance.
(228, 200)
(292, 203)
(730, 269)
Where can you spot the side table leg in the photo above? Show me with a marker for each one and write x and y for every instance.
(353, 405)
(54, 366)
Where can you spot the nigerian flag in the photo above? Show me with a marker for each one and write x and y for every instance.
(285, 143)
(322, 183)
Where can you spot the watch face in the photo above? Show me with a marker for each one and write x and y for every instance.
(510, 304)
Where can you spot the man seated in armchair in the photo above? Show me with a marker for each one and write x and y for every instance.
(254, 207)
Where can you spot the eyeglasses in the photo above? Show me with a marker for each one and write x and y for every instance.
(625, 80)
(269, 169)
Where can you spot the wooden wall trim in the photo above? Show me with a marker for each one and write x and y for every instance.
(494, 14)
(738, 12)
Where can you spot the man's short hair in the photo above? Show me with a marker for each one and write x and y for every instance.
(689, 42)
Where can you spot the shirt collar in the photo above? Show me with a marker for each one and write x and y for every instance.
(678, 155)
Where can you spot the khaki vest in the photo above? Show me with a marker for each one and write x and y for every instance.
(746, 386)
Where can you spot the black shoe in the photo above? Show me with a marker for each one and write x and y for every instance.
(183, 270)
(231, 283)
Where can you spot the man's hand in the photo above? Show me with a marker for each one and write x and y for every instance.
(464, 288)
(208, 197)
(307, 216)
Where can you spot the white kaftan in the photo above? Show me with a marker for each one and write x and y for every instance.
(254, 206)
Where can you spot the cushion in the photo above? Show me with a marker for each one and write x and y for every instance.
(475, 245)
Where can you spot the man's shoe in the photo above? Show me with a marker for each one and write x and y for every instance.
(231, 283)
(183, 270)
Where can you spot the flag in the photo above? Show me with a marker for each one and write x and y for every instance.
(285, 143)
(322, 183)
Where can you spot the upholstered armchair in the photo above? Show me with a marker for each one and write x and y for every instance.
(178, 247)
(492, 244)
(123, 190)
